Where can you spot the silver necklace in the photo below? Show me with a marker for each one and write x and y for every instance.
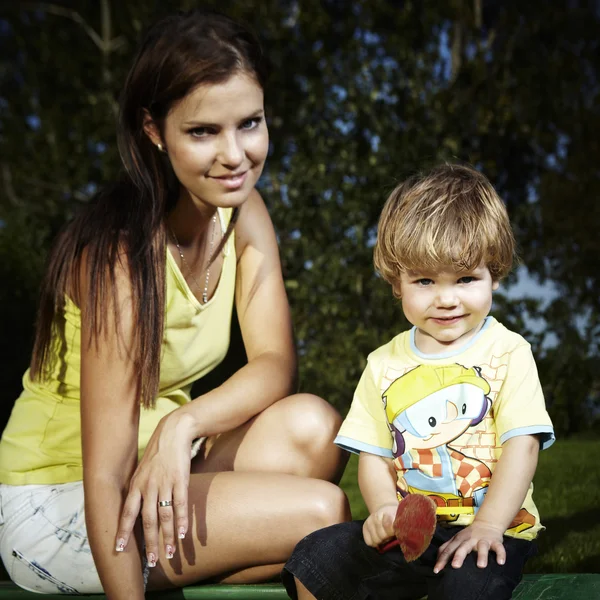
(204, 290)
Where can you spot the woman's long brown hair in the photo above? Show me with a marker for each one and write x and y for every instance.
(126, 221)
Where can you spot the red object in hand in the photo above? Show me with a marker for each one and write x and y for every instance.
(414, 526)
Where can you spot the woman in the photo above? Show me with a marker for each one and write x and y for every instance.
(136, 305)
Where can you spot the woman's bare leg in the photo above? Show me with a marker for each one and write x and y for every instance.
(295, 435)
(251, 575)
(248, 509)
(247, 523)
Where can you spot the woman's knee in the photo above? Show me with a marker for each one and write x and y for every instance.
(329, 506)
(311, 424)
(311, 421)
(335, 537)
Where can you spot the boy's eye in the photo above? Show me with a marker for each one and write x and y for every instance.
(251, 123)
(468, 279)
(424, 281)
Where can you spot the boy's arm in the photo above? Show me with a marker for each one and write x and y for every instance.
(504, 498)
(377, 482)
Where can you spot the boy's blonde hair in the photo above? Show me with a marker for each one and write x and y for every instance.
(450, 217)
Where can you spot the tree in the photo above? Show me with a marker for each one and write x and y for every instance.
(361, 95)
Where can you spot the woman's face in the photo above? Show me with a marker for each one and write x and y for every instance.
(217, 140)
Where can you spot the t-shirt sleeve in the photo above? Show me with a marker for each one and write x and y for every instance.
(365, 428)
(520, 408)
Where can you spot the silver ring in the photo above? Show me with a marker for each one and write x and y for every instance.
(165, 502)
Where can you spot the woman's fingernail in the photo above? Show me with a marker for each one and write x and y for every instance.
(120, 545)
(181, 533)
(169, 551)
(151, 560)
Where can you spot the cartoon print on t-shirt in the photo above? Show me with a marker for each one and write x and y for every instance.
(427, 408)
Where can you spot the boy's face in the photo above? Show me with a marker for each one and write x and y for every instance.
(447, 307)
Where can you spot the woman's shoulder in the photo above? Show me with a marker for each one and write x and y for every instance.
(252, 222)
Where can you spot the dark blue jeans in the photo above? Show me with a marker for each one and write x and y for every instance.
(335, 564)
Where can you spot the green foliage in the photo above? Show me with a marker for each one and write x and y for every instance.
(362, 93)
(567, 494)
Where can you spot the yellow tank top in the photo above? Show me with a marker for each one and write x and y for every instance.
(41, 443)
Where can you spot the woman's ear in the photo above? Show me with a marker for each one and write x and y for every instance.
(152, 131)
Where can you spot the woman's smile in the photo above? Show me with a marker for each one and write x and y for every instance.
(231, 182)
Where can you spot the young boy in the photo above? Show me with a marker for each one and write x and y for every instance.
(452, 409)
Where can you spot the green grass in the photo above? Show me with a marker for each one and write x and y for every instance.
(567, 494)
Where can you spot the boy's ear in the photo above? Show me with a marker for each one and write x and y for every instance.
(495, 285)
(151, 130)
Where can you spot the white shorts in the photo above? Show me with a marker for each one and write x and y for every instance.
(43, 539)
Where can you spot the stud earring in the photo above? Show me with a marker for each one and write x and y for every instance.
(160, 147)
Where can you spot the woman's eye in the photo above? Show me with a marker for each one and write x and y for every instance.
(251, 123)
(199, 132)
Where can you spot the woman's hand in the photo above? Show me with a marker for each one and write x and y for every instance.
(162, 476)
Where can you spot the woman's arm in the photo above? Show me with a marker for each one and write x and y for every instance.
(109, 430)
(270, 375)
(265, 323)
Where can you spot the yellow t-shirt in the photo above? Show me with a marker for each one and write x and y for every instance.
(41, 443)
(443, 418)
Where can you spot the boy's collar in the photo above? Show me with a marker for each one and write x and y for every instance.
(487, 322)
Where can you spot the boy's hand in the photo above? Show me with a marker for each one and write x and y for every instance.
(481, 537)
(379, 527)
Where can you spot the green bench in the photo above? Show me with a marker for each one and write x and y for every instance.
(267, 591)
(533, 587)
